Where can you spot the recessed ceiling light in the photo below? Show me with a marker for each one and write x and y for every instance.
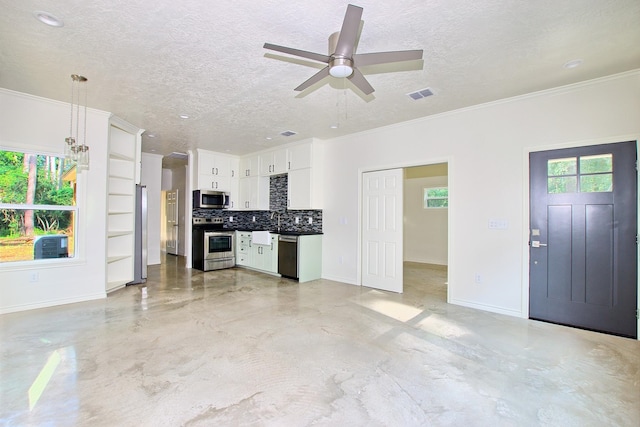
(573, 63)
(49, 19)
(334, 126)
(151, 135)
(184, 116)
(268, 138)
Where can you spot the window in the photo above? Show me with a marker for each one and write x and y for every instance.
(436, 197)
(37, 207)
(584, 174)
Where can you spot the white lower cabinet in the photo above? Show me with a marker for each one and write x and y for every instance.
(265, 257)
(259, 257)
(309, 257)
(243, 249)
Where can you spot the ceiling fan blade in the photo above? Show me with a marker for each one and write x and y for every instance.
(364, 59)
(314, 79)
(361, 83)
(298, 52)
(349, 32)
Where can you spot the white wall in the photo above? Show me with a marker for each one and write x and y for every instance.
(486, 147)
(425, 230)
(41, 125)
(151, 176)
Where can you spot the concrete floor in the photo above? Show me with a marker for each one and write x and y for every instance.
(237, 347)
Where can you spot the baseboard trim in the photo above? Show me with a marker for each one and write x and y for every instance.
(486, 307)
(51, 303)
(341, 280)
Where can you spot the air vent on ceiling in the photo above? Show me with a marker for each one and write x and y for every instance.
(419, 94)
(288, 133)
(178, 155)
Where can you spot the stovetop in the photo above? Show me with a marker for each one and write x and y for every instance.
(208, 223)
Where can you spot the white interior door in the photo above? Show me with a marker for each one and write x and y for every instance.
(382, 254)
(171, 209)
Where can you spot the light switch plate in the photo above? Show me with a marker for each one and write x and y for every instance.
(498, 224)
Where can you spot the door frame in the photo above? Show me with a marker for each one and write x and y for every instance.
(450, 184)
(526, 206)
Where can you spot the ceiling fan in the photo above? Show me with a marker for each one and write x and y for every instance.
(342, 60)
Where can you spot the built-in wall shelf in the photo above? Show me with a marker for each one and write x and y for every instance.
(118, 233)
(123, 175)
(113, 259)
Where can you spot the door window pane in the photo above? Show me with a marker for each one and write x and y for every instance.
(596, 183)
(594, 175)
(560, 167)
(596, 164)
(563, 184)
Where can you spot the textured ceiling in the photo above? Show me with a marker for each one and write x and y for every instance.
(150, 61)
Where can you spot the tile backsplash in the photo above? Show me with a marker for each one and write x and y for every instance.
(268, 220)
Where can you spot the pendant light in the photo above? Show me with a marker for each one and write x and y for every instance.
(77, 150)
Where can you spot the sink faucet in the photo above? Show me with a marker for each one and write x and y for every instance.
(272, 215)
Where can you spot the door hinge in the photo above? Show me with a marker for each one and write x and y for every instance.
(637, 314)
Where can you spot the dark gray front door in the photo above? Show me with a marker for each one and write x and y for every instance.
(583, 268)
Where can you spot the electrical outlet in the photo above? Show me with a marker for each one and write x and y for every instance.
(230, 219)
(310, 220)
(297, 221)
(34, 276)
(478, 278)
(254, 219)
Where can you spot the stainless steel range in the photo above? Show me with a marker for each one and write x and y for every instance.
(212, 247)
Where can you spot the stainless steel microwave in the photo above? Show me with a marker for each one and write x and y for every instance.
(209, 199)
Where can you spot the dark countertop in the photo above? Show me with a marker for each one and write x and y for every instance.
(282, 232)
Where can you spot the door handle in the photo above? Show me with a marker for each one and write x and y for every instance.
(537, 244)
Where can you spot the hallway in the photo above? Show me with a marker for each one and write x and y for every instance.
(237, 347)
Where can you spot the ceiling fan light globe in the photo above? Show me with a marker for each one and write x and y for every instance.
(341, 71)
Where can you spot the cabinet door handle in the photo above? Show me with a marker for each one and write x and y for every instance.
(233, 172)
(212, 171)
(213, 184)
(289, 166)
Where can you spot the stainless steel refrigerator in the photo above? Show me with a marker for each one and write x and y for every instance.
(140, 241)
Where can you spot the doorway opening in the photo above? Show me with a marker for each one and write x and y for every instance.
(405, 228)
(426, 228)
(175, 201)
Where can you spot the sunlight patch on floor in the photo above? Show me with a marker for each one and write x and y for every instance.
(378, 302)
(43, 378)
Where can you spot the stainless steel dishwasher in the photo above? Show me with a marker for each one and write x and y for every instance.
(288, 256)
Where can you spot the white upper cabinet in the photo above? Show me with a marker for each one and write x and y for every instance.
(274, 162)
(300, 156)
(305, 176)
(210, 163)
(254, 193)
(217, 171)
(250, 166)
